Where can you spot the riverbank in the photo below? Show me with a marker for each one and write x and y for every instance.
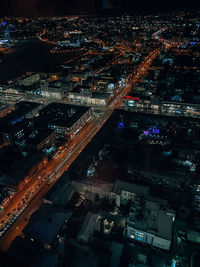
(31, 55)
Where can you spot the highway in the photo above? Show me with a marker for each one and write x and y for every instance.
(19, 207)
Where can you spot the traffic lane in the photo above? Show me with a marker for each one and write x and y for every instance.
(33, 191)
(32, 183)
(62, 163)
(21, 222)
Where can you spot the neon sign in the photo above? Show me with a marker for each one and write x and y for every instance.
(132, 97)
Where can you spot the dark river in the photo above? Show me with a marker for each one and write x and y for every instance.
(30, 55)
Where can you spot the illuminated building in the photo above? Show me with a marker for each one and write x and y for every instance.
(16, 126)
(52, 91)
(65, 120)
(40, 140)
(94, 99)
(106, 84)
(128, 191)
(150, 223)
(154, 105)
(92, 187)
(29, 80)
(16, 133)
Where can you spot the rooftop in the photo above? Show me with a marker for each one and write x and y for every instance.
(63, 114)
(39, 137)
(44, 227)
(129, 187)
(23, 250)
(89, 225)
(116, 250)
(150, 217)
(18, 114)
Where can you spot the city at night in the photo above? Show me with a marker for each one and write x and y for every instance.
(99, 133)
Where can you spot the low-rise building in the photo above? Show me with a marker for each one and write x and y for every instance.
(29, 79)
(87, 95)
(21, 253)
(90, 224)
(40, 140)
(193, 236)
(151, 222)
(126, 191)
(17, 133)
(61, 192)
(16, 126)
(54, 90)
(120, 192)
(65, 120)
(94, 187)
(43, 228)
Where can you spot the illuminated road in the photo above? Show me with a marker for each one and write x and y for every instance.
(133, 79)
(22, 203)
(41, 181)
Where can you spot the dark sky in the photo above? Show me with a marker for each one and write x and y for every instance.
(62, 7)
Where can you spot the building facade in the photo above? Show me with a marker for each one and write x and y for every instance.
(148, 222)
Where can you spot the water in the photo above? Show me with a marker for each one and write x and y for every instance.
(30, 55)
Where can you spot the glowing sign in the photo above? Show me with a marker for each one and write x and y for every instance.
(132, 97)
(152, 130)
(4, 23)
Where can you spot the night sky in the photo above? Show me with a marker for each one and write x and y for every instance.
(62, 7)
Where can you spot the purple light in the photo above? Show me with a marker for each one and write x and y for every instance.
(153, 130)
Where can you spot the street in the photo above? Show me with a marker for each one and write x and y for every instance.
(20, 206)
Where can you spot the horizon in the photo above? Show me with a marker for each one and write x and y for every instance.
(44, 8)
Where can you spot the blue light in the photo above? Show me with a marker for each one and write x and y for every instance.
(193, 43)
(4, 23)
(173, 263)
(14, 121)
(121, 125)
(19, 119)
